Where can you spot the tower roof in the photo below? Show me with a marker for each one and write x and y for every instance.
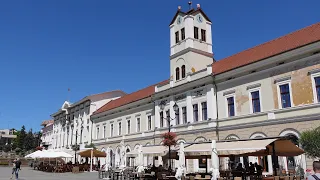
(190, 12)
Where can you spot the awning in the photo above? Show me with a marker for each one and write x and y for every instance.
(151, 151)
(258, 147)
(95, 153)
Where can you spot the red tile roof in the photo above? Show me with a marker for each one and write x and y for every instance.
(280, 45)
(277, 46)
(129, 98)
(46, 122)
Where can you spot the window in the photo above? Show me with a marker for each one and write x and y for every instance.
(183, 71)
(161, 119)
(285, 95)
(177, 36)
(204, 111)
(196, 32)
(317, 89)
(203, 35)
(97, 133)
(231, 109)
(138, 124)
(183, 36)
(184, 115)
(119, 129)
(104, 131)
(129, 127)
(168, 116)
(195, 113)
(111, 130)
(177, 117)
(255, 99)
(177, 73)
(149, 122)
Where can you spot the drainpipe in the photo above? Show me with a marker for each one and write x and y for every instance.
(217, 113)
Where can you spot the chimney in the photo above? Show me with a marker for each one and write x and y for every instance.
(198, 6)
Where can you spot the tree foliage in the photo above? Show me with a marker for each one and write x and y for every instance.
(310, 142)
(25, 141)
(90, 146)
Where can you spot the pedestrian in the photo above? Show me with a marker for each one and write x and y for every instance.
(316, 169)
(18, 168)
(13, 168)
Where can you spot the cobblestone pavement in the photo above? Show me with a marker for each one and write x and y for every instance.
(29, 174)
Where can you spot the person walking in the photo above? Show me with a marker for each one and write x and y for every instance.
(18, 168)
(13, 168)
(316, 169)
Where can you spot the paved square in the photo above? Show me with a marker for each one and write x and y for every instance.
(28, 173)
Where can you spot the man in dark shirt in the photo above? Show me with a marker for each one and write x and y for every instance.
(18, 167)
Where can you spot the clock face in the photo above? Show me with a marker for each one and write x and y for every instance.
(199, 18)
(179, 20)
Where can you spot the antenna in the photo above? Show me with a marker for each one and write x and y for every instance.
(190, 5)
(68, 98)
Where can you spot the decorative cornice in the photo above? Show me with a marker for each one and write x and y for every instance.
(192, 50)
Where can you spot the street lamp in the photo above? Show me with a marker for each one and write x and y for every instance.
(169, 119)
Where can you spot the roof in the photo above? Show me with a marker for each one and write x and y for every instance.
(46, 122)
(190, 12)
(99, 96)
(129, 98)
(277, 46)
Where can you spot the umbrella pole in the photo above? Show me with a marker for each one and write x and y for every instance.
(91, 161)
(273, 159)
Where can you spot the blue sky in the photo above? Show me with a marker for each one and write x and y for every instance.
(90, 47)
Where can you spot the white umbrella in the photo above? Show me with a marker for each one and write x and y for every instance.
(215, 161)
(32, 154)
(108, 159)
(122, 155)
(181, 169)
(140, 168)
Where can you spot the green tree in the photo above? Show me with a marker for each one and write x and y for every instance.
(21, 138)
(310, 142)
(90, 146)
(29, 141)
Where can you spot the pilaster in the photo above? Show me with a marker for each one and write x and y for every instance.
(157, 115)
(211, 102)
(189, 108)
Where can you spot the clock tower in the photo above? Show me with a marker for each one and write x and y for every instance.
(190, 42)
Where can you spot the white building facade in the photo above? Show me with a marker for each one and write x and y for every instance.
(47, 134)
(72, 124)
(270, 90)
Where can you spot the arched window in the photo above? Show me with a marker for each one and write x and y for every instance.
(177, 73)
(183, 71)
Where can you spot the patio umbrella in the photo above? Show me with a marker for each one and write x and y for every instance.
(122, 155)
(140, 168)
(215, 161)
(31, 155)
(108, 159)
(181, 169)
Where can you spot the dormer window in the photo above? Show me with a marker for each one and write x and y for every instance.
(177, 73)
(177, 36)
(183, 71)
(183, 36)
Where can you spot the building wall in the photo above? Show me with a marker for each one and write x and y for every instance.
(73, 123)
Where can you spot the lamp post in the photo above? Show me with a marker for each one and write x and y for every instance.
(176, 109)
